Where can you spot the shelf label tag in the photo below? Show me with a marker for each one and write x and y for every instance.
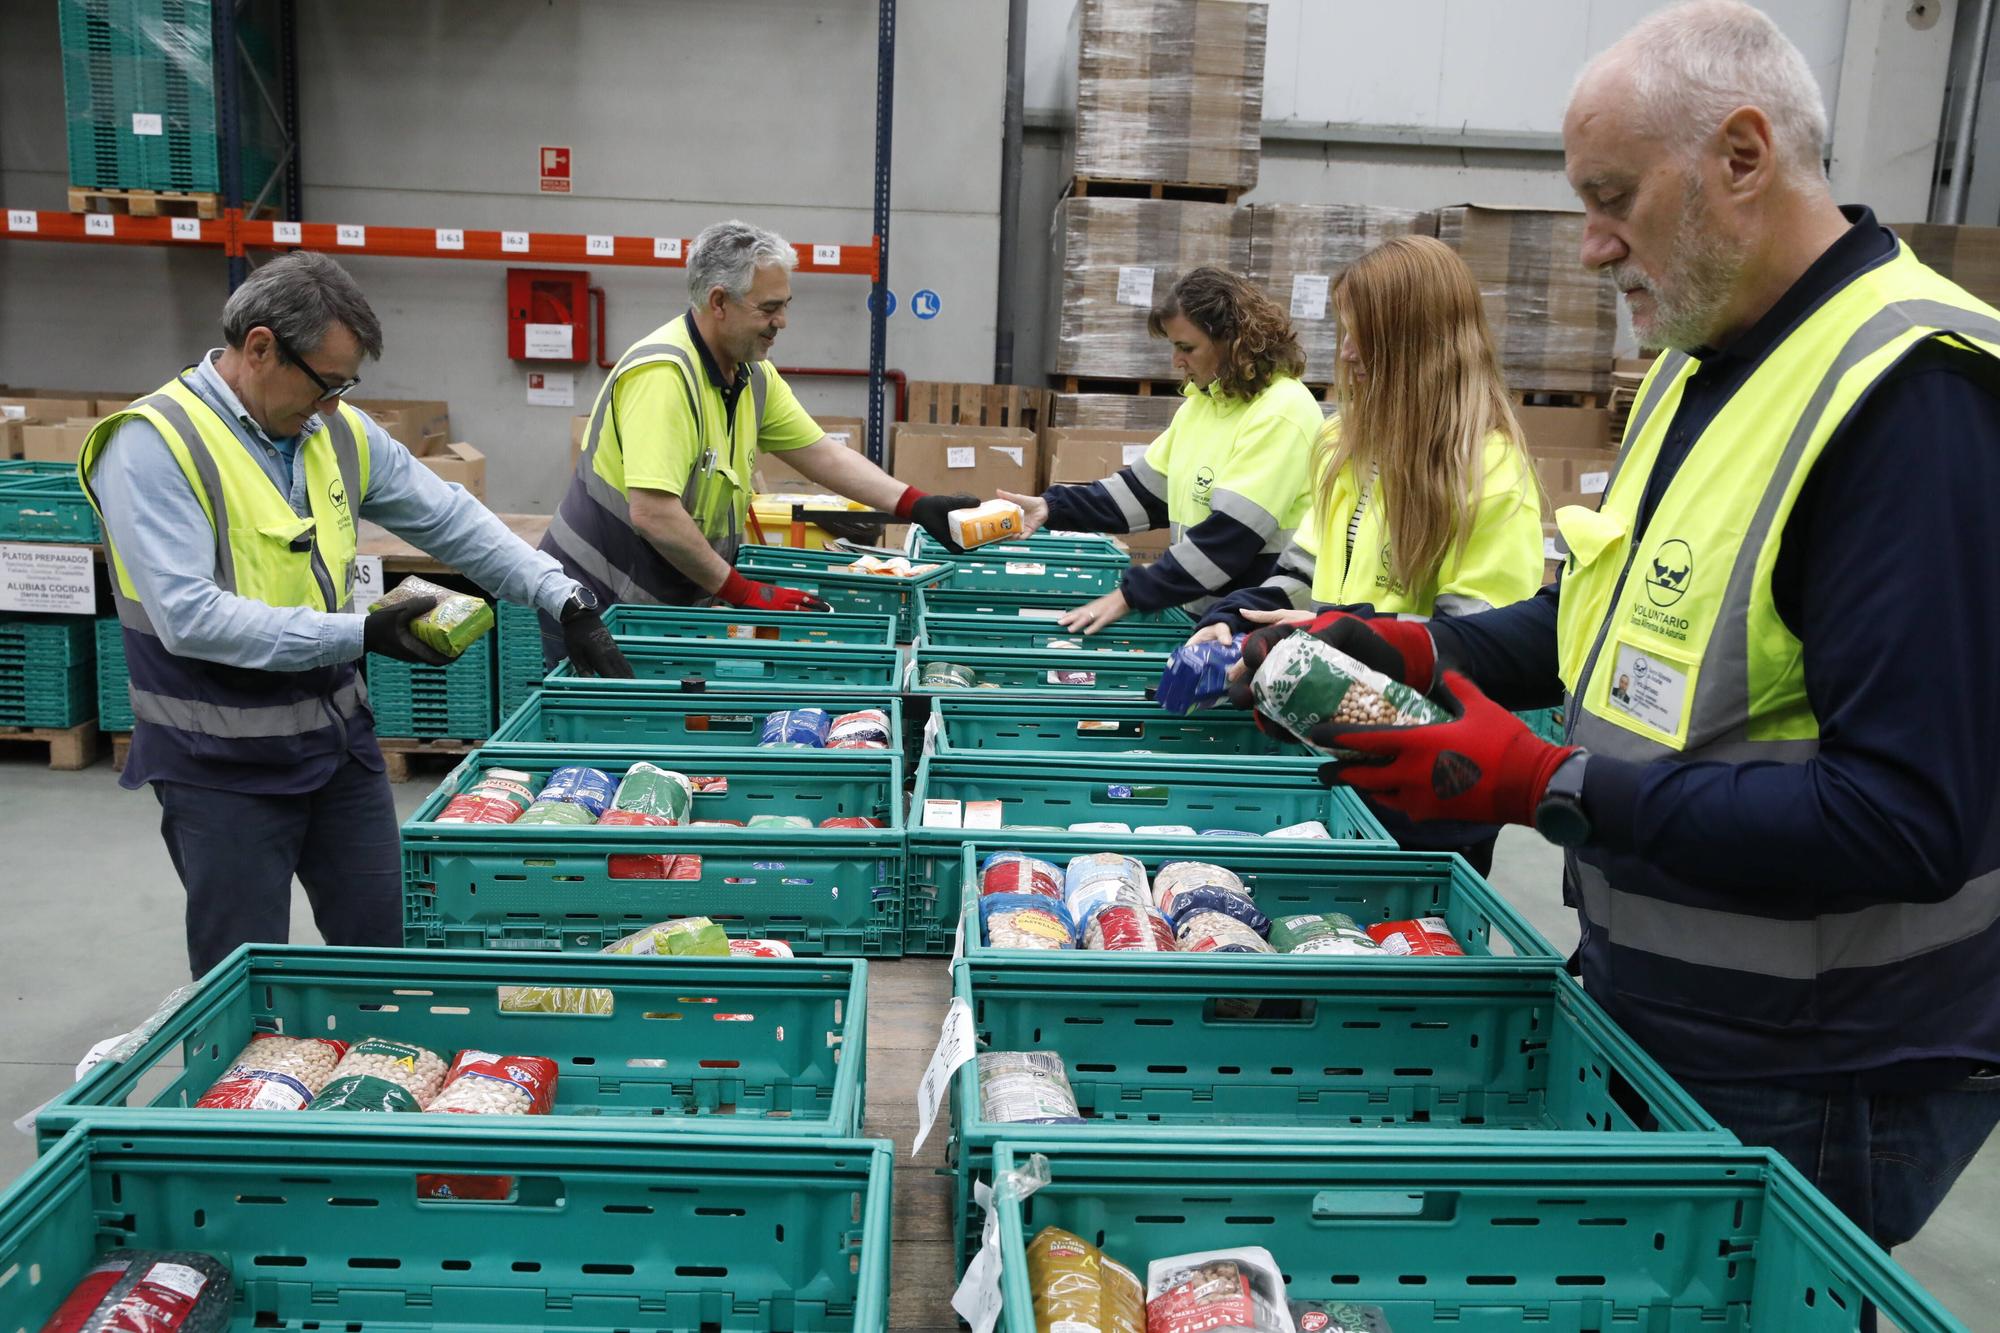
(187, 229)
(450, 238)
(598, 245)
(826, 256)
(288, 233)
(666, 247)
(514, 242)
(349, 234)
(99, 224)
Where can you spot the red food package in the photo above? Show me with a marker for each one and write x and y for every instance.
(1013, 872)
(1424, 937)
(1122, 926)
(850, 821)
(636, 865)
(275, 1073)
(145, 1291)
(482, 1083)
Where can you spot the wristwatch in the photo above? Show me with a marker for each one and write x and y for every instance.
(580, 602)
(1560, 816)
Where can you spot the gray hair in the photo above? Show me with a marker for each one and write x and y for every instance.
(299, 296)
(1689, 65)
(728, 255)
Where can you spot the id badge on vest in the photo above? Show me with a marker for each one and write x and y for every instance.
(1649, 688)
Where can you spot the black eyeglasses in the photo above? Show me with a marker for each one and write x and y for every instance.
(326, 390)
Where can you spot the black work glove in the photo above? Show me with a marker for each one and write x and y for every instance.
(390, 633)
(932, 513)
(592, 650)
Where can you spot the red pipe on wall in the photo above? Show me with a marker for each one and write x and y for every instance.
(599, 300)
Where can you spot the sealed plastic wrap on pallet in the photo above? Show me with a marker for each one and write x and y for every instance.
(1145, 413)
(1115, 259)
(1298, 252)
(1555, 320)
(1168, 90)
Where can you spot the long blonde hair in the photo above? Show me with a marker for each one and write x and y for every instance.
(1418, 420)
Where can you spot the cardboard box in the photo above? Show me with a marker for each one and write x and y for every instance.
(1565, 428)
(52, 442)
(773, 473)
(1115, 260)
(1969, 256)
(48, 411)
(421, 417)
(96, 402)
(407, 430)
(1297, 253)
(460, 463)
(1079, 455)
(1555, 321)
(1555, 553)
(1150, 413)
(934, 402)
(973, 460)
(10, 438)
(1574, 476)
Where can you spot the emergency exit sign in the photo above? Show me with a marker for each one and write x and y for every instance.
(555, 170)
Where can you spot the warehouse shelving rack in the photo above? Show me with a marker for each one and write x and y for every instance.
(237, 232)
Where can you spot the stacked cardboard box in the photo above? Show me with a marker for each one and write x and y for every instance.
(1168, 90)
(1151, 413)
(773, 473)
(423, 425)
(1298, 251)
(1627, 374)
(1969, 256)
(971, 460)
(1555, 320)
(1079, 455)
(1114, 260)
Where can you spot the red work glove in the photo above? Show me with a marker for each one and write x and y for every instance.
(754, 596)
(1483, 767)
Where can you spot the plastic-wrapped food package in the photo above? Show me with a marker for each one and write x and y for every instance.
(780, 821)
(851, 821)
(1426, 936)
(867, 729)
(275, 1073)
(760, 949)
(452, 625)
(556, 1000)
(637, 865)
(1017, 872)
(148, 1291)
(648, 789)
(572, 795)
(1099, 826)
(1304, 682)
(1025, 1088)
(1098, 880)
(694, 936)
(1176, 877)
(1123, 927)
(378, 1074)
(892, 567)
(1310, 831)
(1217, 932)
(1331, 933)
(1025, 921)
(482, 1083)
(796, 729)
(947, 676)
(1163, 830)
(556, 813)
(1188, 902)
(497, 796)
(1237, 1291)
(1197, 675)
(1338, 1317)
(1079, 1289)
(1228, 833)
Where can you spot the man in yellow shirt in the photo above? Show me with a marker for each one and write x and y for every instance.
(657, 508)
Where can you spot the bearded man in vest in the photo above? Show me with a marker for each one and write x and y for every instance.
(656, 510)
(1783, 833)
(230, 499)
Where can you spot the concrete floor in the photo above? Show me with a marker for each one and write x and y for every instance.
(90, 940)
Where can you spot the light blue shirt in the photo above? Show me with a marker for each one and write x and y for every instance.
(164, 537)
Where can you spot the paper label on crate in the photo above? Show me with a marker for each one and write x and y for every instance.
(550, 340)
(185, 229)
(350, 233)
(1135, 285)
(1309, 295)
(514, 242)
(551, 388)
(1038, 612)
(35, 576)
(450, 238)
(957, 1043)
(981, 814)
(1133, 453)
(957, 945)
(666, 247)
(178, 1278)
(148, 123)
(599, 245)
(1013, 452)
(1027, 567)
(1594, 483)
(966, 456)
(942, 813)
(99, 224)
(288, 233)
(826, 256)
(367, 583)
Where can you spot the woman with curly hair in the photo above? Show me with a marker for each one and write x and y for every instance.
(1229, 475)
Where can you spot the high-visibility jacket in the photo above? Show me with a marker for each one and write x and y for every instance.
(193, 719)
(1671, 648)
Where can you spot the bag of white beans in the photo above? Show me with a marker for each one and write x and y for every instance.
(275, 1073)
(378, 1074)
(482, 1083)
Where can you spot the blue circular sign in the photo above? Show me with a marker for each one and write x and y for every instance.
(889, 297)
(925, 304)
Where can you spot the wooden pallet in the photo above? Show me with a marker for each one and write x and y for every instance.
(121, 749)
(69, 747)
(1094, 187)
(939, 403)
(1562, 398)
(1156, 388)
(399, 753)
(145, 203)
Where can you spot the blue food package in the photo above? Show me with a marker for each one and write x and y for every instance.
(1197, 675)
(1189, 901)
(797, 728)
(1025, 921)
(591, 788)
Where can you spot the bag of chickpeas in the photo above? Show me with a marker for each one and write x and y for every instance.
(1304, 682)
(377, 1074)
(275, 1073)
(482, 1083)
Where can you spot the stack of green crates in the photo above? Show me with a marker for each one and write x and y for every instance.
(48, 670)
(453, 702)
(42, 502)
(825, 575)
(518, 639)
(114, 682)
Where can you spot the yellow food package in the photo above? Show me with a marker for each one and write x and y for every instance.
(990, 522)
(1078, 1289)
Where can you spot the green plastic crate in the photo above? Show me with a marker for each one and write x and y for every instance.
(600, 1231)
(684, 721)
(688, 1044)
(941, 632)
(48, 670)
(1082, 548)
(726, 622)
(1056, 790)
(518, 647)
(730, 665)
(821, 573)
(1079, 581)
(114, 681)
(955, 600)
(1041, 674)
(1546, 723)
(42, 502)
(1657, 1238)
(1115, 728)
(1367, 884)
(410, 699)
(550, 887)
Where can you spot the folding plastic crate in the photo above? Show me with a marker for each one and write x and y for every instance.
(1657, 1237)
(1039, 674)
(969, 725)
(1546, 723)
(563, 887)
(1067, 547)
(680, 1045)
(730, 665)
(940, 632)
(728, 622)
(48, 670)
(114, 682)
(1081, 579)
(1027, 605)
(1040, 796)
(42, 502)
(1308, 878)
(683, 721)
(518, 645)
(454, 701)
(598, 1231)
(826, 576)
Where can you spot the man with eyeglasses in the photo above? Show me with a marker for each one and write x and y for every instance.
(230, 499)
(657, 508)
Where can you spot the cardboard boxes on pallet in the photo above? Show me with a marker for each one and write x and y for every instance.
(55, 441)
(1150, 413)
(1554, 320)
(1115, 259)
(773, 473)
(1969, 256)
(973, 460)
(1170, 91)
(1079, 455)
(1298, 251)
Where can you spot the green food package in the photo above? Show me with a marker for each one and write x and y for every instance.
(453, 625)
(690, 936)
(1334, 933)
(593, 1000)
(780, 821)
(1304, 682)
(648, 789)
(556, 812)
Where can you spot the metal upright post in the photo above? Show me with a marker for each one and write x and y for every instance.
(878, 301)
(229, 122)
(288, 103)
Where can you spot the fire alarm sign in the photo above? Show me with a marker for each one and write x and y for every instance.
(555, 170)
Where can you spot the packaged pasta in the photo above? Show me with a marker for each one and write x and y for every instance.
(1017, 872)
(867, 729)
(1079, 1289)
(796, 729)
(759, 949)
(497, 796)
(1098, 880)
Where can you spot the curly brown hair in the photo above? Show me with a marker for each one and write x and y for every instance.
(1253, 331)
